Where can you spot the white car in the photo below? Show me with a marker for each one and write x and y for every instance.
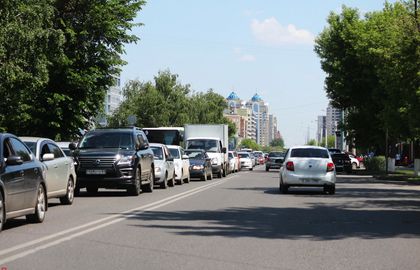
(354, 162)
(246, 160)
(233, 162)
(308, 166)
(182, 164)
(60, 171)
(164, 165)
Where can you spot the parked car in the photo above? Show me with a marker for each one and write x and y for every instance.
(182, 164)
(60, 170)
(261, 159)
(164, 165)
(200, 164)
(354, 162)
(23, 190)
(118, 158)
(342, 162)
(334, 151)
(246, 160)
(233, 162)
(274, 160)
(307, 166)
(65, 146)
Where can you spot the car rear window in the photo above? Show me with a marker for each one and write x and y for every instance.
(243, 155)
(276, 154)
(309, 153)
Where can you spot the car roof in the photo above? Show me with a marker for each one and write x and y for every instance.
(308, 147)
(156, 144)
(195, 150)
(173, 146)
(34, 139)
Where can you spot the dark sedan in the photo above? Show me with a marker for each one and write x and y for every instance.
(342, 162)
(274, 160)
(22, 182)
(200, 164)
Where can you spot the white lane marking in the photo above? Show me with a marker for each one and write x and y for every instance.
(117, 218)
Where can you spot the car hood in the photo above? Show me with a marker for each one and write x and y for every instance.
(104, 152)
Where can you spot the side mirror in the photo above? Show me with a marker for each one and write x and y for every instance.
(224, 150)
(185, 157)
(14, 160)
(143, 146)
(47, 157)
(72, 146)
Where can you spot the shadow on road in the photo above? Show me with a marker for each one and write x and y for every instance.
(358, 212)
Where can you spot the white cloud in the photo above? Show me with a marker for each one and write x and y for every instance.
(242, 56)
(271, 32)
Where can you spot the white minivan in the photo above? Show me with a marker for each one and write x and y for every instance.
(182, 164)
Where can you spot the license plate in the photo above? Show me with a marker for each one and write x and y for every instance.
(97, 172)
(310, 179)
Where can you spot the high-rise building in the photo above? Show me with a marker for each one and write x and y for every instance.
(272, 127)
(113, 99)
(322, 129)
(260, 111)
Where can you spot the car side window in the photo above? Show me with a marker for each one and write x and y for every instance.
(6, 150)
(45, 150)
(20, 149)
(55, 150)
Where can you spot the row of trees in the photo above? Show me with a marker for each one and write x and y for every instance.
(372, 66)
(57, 60)
(167, 102)
(275, 145)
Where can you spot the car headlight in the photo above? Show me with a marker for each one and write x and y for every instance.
(125, 160)
(198, 167)
(158, 169)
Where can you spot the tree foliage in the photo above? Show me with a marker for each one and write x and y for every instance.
(57, 60)
(277, 143)
(372, 67)
(167, 102)
(249, 143)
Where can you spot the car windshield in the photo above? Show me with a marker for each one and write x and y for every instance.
(32, 146)
(276, 154)
(195, 154)
(99, 140)
(230, 155)
(208, 145)
(174, 153)
(309, 153)
(243, 155)
(157, 152)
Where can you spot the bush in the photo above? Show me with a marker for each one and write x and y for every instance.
(375, 164)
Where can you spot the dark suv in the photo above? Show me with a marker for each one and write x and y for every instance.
(117, 158)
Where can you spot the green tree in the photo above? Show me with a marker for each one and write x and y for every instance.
(28, 42)
(312, 142)
(277, 143)
(372, 72)
(249, 143)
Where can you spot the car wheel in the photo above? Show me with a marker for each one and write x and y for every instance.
(40, 206)
(251, 169)
(181, 181)
(92, 189)
(135, 189)
(267, 168)
(188, 179)
(164, 184)
(283, 188)
(219, 174)
(149, 186)
(69, 197)
(332, 190)
(224, 171)
(2, 211)
(172, 182)
(76, 191)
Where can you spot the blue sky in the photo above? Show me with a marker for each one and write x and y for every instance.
(246, 46)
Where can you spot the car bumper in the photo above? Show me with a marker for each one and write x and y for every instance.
(292, 179)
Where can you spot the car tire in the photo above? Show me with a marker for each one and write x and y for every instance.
(283, 188)
(267, 168)
(172, 182)
(149, 186)
(69, 197)
(135, 189)
(92, 189)
(2, 212)
(219, 174)
(181, 181)
(225, 172)
(251, 169)
(332, 190)
(40, 206)
(77, 191)
(164, 184)
(188, 179)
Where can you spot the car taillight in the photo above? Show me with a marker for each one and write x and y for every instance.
(290, 166)
(330, 167)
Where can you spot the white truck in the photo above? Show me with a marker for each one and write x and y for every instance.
(214, 140)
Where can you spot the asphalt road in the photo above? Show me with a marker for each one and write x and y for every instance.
(238, 222)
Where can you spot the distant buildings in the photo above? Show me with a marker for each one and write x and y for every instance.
(113, 99)
(329, 125)
(252, 119)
